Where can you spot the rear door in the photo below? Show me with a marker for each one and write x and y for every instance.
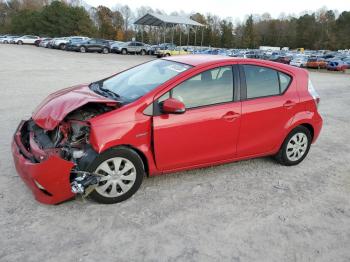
(26, 39)
(99, 45)
(132, 47)
(207, 132)
(269, 103)
(92, 45)
(139, 47)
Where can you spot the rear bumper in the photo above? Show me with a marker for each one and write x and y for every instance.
(317, 125)
(49, 180)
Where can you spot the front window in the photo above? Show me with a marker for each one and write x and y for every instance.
(210, 87)
(134, 83)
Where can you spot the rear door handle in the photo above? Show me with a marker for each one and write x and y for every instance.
(230, 116)
(289, 104)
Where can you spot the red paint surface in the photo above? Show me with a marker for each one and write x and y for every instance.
(57, 105)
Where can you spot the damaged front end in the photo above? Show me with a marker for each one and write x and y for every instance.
(53, 163)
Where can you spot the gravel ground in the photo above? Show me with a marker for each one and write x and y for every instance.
(252, 210)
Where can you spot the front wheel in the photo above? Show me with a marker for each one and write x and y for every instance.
(124, 51)
(295, 147)
(122, 172)
(105, 50)
(82, 49)
(20, 42)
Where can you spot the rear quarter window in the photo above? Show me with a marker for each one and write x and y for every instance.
(284, 81)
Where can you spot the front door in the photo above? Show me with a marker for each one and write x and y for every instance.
(207, 132)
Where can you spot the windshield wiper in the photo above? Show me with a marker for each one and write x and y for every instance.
(104, 91)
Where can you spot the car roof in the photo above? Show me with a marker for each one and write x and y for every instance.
(198, 60)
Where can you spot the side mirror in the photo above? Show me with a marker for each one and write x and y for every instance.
(173, 106)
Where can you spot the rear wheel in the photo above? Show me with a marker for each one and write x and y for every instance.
(143, 52)
(122, 172)
(20, 42)
(295, 147)
(124, 51)
(105, 50)
(62, 46)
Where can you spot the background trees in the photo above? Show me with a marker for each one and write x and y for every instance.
(322, 29)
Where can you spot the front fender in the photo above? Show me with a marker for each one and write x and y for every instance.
(137, 135)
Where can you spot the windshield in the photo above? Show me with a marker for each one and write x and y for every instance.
(134, 83)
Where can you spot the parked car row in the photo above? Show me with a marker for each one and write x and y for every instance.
(79, 43)
(336, 61)
(19, 40)
(321, 59)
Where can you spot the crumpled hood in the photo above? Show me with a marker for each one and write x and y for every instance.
(59, 104)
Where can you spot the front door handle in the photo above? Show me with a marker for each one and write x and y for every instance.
(230, 116)
(289, 104)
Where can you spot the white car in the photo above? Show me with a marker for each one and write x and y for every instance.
(27, 39)
(299, 61)
(2, 38)
(45, 42)
(7, 39)
(59, 42)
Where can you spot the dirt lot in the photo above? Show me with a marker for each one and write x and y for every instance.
(253, 210)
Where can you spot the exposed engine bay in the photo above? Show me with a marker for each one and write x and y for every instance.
(69, 141)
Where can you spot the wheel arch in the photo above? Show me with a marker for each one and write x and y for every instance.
(138, 152)
(305, 124)
(309, 127)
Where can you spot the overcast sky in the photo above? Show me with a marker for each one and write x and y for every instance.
(231, 8)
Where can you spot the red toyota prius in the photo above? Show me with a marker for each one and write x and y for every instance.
(162, 116)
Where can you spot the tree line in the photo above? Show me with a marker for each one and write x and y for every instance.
(322, 29)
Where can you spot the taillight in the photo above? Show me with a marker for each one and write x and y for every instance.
(313, 93)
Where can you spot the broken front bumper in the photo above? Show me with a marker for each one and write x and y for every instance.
(49, 180)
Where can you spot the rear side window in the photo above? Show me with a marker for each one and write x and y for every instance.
(263, 81)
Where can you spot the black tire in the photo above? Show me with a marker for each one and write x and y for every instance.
(128, 154)
(282, 157)
(143, 52)
(62, 46)
(105, 50)
(124, 51)
(82, 49)
(20, 42)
